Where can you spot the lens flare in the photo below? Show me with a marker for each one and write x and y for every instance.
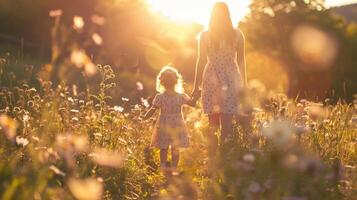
(316, 48)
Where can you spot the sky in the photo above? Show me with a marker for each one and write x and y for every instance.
(339, 2)
(199, 10)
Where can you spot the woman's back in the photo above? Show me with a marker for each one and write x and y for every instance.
(224, 53)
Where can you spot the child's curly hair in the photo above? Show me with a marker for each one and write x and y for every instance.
(169, 77)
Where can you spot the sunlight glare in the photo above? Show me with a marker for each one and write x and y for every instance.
(198, 10)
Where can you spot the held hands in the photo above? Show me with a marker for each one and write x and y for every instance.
(196, 94)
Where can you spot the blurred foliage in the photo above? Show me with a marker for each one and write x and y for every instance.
(269, 29)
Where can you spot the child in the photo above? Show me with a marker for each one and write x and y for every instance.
(170, 129)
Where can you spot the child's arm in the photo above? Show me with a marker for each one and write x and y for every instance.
(193, 99)
(149, 113)
(155, 104)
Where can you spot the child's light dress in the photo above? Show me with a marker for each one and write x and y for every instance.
(222, 78)
(170, 128)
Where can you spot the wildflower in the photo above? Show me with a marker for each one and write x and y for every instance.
(21, 141)
(87, 189)
(310, 164)
(118, 109)
(249, 158)
(301, 129)
(57, 171)
(75, 119)
(55, 13)
(98, 40)
(124, 99)
(145, 102)
(9, 126)
(107, 158)
(30, 104)
(75, 90)
(25, 118)
(139, 86)
(78, 22)
(254, 187)
(278, 131)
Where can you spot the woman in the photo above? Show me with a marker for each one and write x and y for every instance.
(221, 71)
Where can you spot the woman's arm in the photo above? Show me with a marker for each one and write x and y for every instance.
(201, 62)
(241, 57)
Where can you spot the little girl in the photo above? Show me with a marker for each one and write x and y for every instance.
(170, 129)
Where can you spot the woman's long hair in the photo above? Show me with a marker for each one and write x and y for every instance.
(220, 26)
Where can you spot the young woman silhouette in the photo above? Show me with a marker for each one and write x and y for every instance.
(220, 72)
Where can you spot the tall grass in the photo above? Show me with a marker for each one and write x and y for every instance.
(62, 143)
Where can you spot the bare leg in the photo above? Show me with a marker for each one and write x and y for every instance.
(227, 126)
(175, 154)
(212, 137)
(163, 158)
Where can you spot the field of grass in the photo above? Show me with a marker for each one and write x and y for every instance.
(60, 143)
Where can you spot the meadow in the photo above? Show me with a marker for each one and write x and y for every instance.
(65, 143)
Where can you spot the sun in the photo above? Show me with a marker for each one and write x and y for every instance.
(197, 11)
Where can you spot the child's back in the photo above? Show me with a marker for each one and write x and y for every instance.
(170, 128)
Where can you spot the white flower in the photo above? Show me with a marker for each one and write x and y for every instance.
(139, 86)
(145, 102)
(279, 132)
(118, 109)
(124, 99)
(21, 141)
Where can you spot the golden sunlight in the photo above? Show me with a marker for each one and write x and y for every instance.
(198, 10)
